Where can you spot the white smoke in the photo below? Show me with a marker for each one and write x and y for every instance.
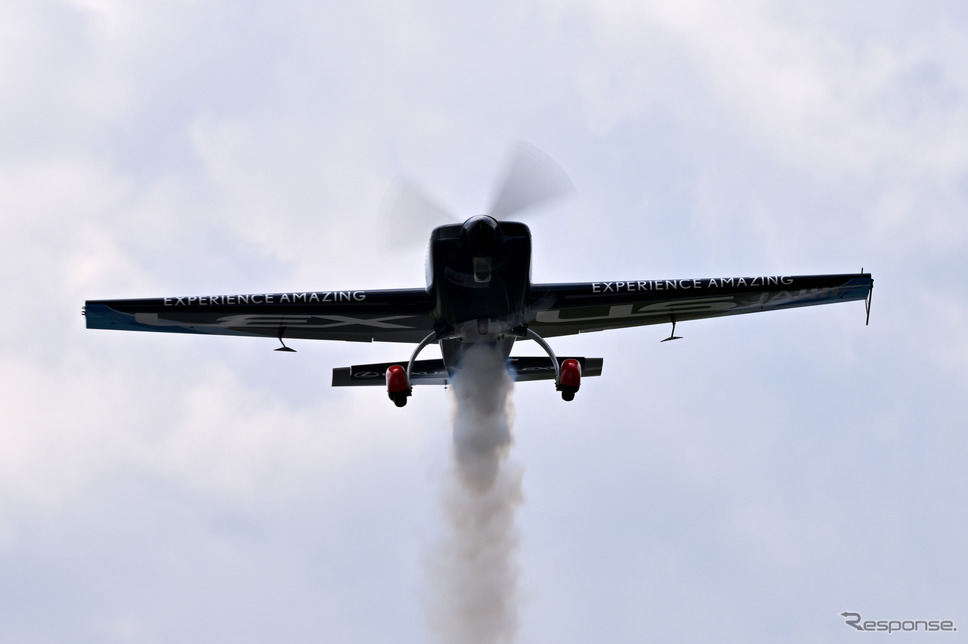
(475, 572)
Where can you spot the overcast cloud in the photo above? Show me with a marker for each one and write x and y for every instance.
(747, 483)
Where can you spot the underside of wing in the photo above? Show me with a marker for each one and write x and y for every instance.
(564, 309)
(359, 316)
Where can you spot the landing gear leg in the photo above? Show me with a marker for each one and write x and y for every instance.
(567, 374)
(399, 385)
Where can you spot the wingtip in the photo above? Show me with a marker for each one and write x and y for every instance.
(870, 297)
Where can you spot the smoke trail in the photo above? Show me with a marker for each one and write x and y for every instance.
(475, 573)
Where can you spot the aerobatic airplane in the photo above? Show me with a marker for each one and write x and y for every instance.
(478, 290)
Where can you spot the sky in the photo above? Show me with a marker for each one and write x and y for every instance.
(750, 482)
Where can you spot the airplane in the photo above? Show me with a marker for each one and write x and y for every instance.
(478, 291)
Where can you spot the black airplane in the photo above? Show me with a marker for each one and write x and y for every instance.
(478, 291)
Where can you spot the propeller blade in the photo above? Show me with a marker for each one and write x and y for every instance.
(531, 178)
(407, 215)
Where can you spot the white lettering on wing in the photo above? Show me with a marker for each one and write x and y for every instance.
(266, 298)
(644, 286)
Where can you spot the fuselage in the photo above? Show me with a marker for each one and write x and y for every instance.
(478, 278)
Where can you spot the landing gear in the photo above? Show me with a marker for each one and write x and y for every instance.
(399, 386)
(570, 379)
(567, 374)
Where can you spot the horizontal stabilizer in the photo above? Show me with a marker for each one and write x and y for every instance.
(540, 368)
(424, 372)
(433, 372)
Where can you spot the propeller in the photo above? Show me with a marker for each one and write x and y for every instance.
(531, 178)
(407, 215)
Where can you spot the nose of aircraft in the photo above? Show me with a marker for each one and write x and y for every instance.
(482, 234)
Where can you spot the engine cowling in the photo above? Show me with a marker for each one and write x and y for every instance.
(570, 379)
(398, 385)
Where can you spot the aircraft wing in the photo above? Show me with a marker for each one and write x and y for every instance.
(564, 309)
(400, 315)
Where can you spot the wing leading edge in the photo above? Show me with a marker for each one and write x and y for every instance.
(563, 309)
(400, 315)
